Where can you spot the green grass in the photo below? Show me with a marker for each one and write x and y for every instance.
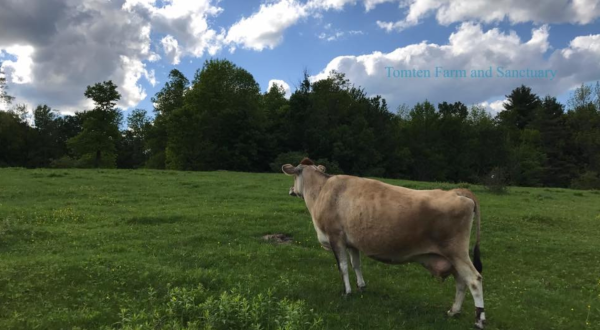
(112, 248)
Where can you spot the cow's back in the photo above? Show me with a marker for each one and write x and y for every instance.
(390, 222)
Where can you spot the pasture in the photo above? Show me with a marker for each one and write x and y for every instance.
(89, 249)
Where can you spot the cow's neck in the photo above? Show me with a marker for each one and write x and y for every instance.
(312, 184)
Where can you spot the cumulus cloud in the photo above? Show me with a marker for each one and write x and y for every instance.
(19, 70)
(53, 48)
(171, 49)
(184, 23)
(264, 29)
(281, 83)
(516, 11)
(493, 107)
(472, 48)
(61, 46)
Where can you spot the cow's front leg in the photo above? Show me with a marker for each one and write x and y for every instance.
(355, 260)
(341, 255)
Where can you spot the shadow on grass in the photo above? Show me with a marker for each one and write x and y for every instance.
(154, 220)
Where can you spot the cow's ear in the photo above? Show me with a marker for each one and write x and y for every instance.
(289, 169)
(322, 168)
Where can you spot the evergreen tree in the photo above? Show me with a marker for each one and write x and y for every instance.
(424, 138)
(550, 121)
(276, 108)
(519, 108)
(454, 133)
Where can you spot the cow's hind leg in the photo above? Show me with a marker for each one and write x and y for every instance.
(355, 260)
(460, 295)
(341, 255)
(473, 280)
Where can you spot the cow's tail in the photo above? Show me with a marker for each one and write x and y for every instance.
(477, 214)
(476, 253)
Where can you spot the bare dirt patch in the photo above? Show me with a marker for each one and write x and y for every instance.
(278, 238)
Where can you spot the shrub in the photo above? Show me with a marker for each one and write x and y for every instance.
(587, 181)
(182, 308)
(64, 162)
(495, 181)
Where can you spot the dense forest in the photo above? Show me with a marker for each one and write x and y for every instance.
(221, 121)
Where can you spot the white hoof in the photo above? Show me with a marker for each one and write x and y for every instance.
(452, 313)
(479, 324)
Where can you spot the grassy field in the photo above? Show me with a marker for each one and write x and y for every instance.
(91, 249)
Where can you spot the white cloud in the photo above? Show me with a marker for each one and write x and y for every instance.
(69, 44)
(371, 4)
(264, 29)
(334, 34)
(516, 11)
(185, 24)
(132, 71)
(19, 70)
(493, 107)
(153, 57)
(471, 48)
(330, 37)
(171, 49)
(281, 83)
(329, 4)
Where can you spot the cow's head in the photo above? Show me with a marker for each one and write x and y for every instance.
(296, 171)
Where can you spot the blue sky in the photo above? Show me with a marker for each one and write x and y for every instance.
(52, 49)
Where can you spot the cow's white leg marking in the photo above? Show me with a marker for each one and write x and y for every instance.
(355, 260)
(459, 297)
(474, 281)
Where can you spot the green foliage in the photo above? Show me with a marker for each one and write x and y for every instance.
(519, 108)
(331, 119)
(166, 101)
(14, 139)
(104, 95)
(96, 144)
(65, 162)
(132, 146)
(223, 122)
(220, 125)
(587, 181)
(182, 308)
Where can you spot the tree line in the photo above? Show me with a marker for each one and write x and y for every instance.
(221, 121)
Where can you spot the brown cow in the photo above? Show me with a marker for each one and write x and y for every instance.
(394, 225)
